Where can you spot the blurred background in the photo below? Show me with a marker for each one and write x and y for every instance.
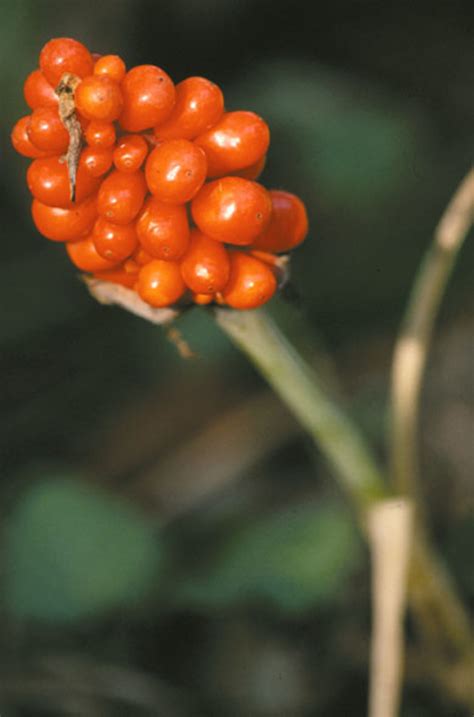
(171, 543)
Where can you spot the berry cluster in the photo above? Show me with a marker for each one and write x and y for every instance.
(152, 185)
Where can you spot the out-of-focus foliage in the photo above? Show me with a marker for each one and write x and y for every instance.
(295, 559)
(73, 552)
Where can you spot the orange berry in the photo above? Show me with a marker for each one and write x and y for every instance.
(232, 210)
(121, 196)
(46, 131)
(205, 266)
(63, 54)
(97, 161)
(98, 97)
(288, 225)
(112, 66)
(114, 242)
(251, 282)
(163, 229)
(237, 141)
(100, 134)
(48, 181)
(84, 255)
(60, 224)
(130, 153)
(149, 96)
(175, 171)
(199, 105)
(38, 92)
(21, 141)
(160, 283)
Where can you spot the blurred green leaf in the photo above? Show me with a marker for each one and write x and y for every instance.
(295, 559)
(72, 551)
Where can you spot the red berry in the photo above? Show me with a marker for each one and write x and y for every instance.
(202, 299)
(163, 229)
(83, 254)
(112, 66)
(98, 97)
(254, 171)
(232, 210)
(64, 54)
(97, 161)
(48, 181)
(251, 282)
(237, 141)
(199, 105)
(121, 196)
(175, 171)
(205, 266)
(114, 242)
(130, 153)
(60, 224)
(149, 96)
(160, 283)
(38, 92)
(117, 276)
(100, 134)
(46, 131)
(21, 141)
(288, 226)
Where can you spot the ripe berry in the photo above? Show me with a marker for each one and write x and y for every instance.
(21, 141)
(160, 283)
(202, 299)
(232, 210)
(149, 96)
(98, 97)
(97, 161)
(48, 181)
(121, 196)
(205, 266)
(46, 131)
(163, 229)
(100, 134)
(175, 171)
(199, 105)
(238, 140)
(84, 255)
(38, 92)
(60, 224)
(112, 66)
(114, 242)
(130, 153)
(251, 282)
(64, 54)
(254, 171)
(288, 226)
(117, 276)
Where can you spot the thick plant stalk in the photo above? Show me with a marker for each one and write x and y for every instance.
(301, 390)
(390, 525)
(414, 340)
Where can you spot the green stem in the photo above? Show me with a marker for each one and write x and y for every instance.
(299, 387)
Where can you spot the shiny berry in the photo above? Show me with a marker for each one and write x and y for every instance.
(46, 131)
(63, 54)
(84, 255)
(114, 242)
(121, 196)
(48, 181)
(117, 276)
(38, 92)
(111, 66)
(100, 134)
(251, 282)
(149, 97)
(288, 225)
(98, 97)
(160, 283)
(199, 105)
(130, 153)
(205, 266)
(163, 229)
(22, 142)
(232, 210)
(254, 171)
(202, 299)
(97, 161)
(60, 224)
(175, 171)
(238, 140)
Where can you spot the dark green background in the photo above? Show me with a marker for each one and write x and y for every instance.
(252, 598)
